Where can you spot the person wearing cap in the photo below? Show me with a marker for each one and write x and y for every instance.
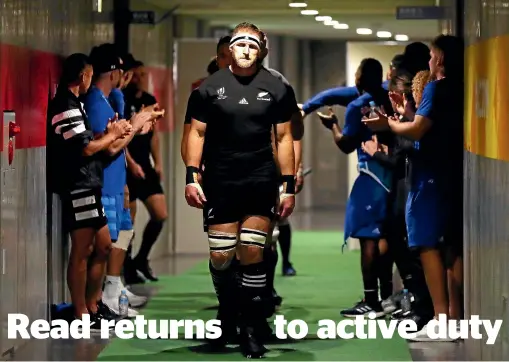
(116, 97)
(113, 285)
(107, 75)
(235, 113)
(75, 172)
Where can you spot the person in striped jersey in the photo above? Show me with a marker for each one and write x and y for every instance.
(75, 172)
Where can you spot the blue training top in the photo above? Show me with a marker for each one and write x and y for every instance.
(100, 111)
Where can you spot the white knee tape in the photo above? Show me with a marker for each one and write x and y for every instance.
(275, 234)
(222, 242)
(251, 237)
(124, 239)
(223, 264)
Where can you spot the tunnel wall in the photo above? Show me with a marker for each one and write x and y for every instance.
(486, 197)
(35, 36)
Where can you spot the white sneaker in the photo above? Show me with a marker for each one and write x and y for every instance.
(422, 335)
(135, 301)
(113, 305)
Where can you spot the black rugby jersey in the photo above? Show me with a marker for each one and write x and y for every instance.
(240, 113)
(140, 146)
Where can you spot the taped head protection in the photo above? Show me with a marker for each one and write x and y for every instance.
(246, 38)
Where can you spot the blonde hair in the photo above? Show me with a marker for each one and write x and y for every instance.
(418, 83)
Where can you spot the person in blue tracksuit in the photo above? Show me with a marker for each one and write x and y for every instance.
(414, 59)
(113, 284)
(107, 75)
(367, 204)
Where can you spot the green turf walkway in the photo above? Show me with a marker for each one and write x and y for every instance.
(327, 281)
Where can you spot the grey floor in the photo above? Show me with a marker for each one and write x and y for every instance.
(88, 350)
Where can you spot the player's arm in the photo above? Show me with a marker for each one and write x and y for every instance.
(285, 151)
(422, 122)
(155, 151)
(284, 133)
(297, 128)
(286, 156)
(183, 143)
(340, 96)
(297, 149)
(195, 142)
(187, 123)
(347, 138)
(196, 137)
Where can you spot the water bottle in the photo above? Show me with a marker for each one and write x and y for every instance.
(123, 304)
(406, 303)
(372, 113)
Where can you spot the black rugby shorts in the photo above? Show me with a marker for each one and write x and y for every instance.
(83, 209)
(229, 203)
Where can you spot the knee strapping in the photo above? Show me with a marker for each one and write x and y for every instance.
(222, 247)
(124, 239)
(251, 237)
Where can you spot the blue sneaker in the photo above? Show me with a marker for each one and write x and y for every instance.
(289, 271)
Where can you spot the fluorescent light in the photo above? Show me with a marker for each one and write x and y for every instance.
(330, 22)
(341, 26)
(383, 34)
(364, 31)
(297, 5)
(401, 37)
(323, 18)
(309, 12)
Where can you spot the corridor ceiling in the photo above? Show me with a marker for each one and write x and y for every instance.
(277, 17)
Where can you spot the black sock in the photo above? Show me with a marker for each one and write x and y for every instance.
(418, 286)
(150, 235)
(369, 272)
(385, 263)
(270, 257)
(386, 289)
(255, 302)
(285, 242)
(225, 285)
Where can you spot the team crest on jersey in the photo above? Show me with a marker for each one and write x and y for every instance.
(263, 96)
(220, 93)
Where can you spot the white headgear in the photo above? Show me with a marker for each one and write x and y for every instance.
(247, 38)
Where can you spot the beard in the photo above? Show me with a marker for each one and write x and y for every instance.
(243, 62)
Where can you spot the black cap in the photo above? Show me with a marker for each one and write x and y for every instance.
(129, 62)
(105, 58)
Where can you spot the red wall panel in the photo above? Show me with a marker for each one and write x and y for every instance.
(25, 78)
(28, 79)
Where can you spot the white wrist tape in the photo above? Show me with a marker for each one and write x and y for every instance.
(285, 196)
(197, 186)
